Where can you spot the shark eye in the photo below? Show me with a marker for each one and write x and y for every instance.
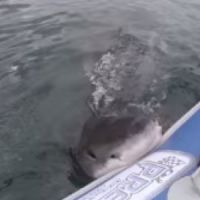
(91, 154)
(114, 156)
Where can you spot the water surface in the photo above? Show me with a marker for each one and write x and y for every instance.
(45, 48)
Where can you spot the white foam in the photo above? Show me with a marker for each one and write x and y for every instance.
(14, 68)
(104, 78)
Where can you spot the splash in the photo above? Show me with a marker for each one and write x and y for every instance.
(125, 76)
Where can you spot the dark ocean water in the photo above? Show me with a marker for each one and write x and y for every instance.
(46, 47)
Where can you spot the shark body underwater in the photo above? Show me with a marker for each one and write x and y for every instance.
(128, 103)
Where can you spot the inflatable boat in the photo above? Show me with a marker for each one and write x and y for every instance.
(167, 173)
